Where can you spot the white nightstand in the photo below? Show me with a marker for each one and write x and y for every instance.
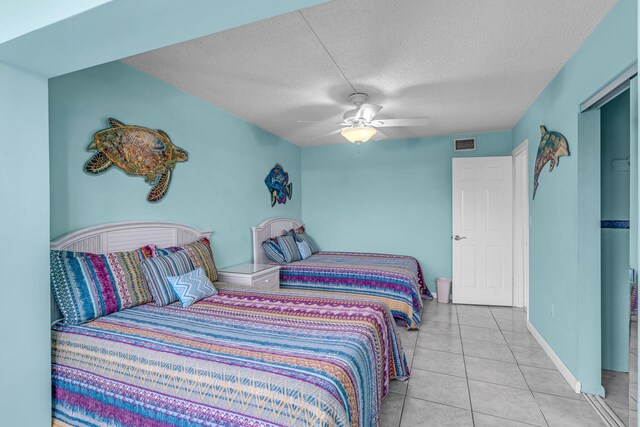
(259, 277)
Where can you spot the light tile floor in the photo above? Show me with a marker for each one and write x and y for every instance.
(479, 366)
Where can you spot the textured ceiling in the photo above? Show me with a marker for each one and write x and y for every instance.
(471, 66)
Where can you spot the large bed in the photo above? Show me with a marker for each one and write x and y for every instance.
(234, 359)
(395, 280)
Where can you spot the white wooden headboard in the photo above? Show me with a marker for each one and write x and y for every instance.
(124, 236)
(268, 228)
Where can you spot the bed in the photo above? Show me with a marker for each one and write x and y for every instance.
(235, 358)
(395, 280)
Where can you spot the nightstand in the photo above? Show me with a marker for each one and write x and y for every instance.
(259, 277)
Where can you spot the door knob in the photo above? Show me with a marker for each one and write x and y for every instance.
(456, 237)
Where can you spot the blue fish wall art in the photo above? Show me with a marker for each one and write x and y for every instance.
(278, 184)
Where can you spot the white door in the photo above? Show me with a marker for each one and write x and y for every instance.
(482, 230)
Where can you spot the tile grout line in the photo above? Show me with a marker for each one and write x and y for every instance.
(415, 346)
(498, 384)
(406, 392)
(466, 374)
(508, 419)
(520, 370)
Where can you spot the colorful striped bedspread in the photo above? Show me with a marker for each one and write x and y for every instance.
(233, 359)
(396, 280)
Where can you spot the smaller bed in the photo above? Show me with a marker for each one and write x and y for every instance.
(395, 280)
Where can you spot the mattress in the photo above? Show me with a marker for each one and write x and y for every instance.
(395, 280)
(233, 359)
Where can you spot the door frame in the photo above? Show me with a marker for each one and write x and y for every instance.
(521, 288)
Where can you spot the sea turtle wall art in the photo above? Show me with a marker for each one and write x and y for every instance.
(278, 184)
(553, 145)
(137, 151)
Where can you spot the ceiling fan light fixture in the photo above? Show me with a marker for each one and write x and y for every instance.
(358, 134)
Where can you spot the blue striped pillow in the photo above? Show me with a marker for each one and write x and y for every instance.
(273, 251)
(156, 271)
(289, 248)
(86, 286)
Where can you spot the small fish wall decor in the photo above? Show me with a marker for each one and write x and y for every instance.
(137, 151)
(553, 145)
(278, 184)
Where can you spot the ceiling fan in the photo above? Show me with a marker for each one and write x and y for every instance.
(359, 124)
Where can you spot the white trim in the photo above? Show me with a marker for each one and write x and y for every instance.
(611, 89)
(267, 229)
(521, 288)
(123, 236)
(520, 148)
(566, 373)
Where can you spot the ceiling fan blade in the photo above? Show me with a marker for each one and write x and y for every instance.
(379, 136)
(337, 131)
(368, 111)
(415, 121)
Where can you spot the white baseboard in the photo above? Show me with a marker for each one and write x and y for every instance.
(566, 373)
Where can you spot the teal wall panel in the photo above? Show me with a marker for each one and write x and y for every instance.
(633, 178)
(121, 28)
(388, 196)
(25, 384)
(21, 19)
(615, 180)
(220, 187)
(555, 239)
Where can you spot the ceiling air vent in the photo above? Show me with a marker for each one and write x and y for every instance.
(464, 144)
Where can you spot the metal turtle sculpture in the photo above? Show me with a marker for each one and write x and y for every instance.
(553, 145)
(137, 151)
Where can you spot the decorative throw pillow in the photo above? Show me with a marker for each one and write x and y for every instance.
(156, 270)
(87, 286)
(145, 252)
(273, 251)
(200, 254)
(304, 249)
(300, 236)
(289, 248)
(168, 251)
(192, 286)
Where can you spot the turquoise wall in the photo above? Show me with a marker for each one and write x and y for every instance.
(220, 187)
(25, 21)
(117, 29)
(69, 42)
(615, 135)
(25, 385)
(388, 196)
(554, 239)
